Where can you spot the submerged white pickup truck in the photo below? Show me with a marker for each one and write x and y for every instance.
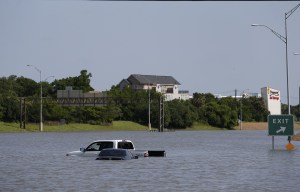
(95, 147)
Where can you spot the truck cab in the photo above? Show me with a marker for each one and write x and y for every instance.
(95, 147)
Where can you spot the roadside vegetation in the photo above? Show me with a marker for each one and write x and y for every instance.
(203, 111)
(73, 127)
(76, 127)
(121, 126)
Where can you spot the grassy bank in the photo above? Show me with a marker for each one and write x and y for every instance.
(203, 127)
(122, 126)
(116, 126)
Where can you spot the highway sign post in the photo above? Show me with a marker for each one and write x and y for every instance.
(280, 125)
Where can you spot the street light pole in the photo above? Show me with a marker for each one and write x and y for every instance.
(149, 105)
(285, 40)
(41, 97)
(299, 87)
(49, 77)
(241, 118)
(286, 16)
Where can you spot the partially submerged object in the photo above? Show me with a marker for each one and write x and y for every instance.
(296, 137)
(116, 154)
(95, 147)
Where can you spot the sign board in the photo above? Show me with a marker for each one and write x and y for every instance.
(281, 125)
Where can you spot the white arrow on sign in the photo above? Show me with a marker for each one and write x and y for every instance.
(281, 129)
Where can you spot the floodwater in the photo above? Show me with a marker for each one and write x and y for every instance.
(195, 161)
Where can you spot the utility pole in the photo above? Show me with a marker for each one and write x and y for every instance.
(235, 93)
(149, 111)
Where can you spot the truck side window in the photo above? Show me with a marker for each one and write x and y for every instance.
(125, 145)
(105, 145)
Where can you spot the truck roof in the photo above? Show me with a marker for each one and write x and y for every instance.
(118, 143)
(114, 140)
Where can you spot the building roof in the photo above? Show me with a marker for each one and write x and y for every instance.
(152, 80)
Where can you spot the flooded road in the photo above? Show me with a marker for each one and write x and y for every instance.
(195, 161)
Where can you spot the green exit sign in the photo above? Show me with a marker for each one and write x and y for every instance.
(281, 125)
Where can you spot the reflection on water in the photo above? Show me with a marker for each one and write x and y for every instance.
(196, 161)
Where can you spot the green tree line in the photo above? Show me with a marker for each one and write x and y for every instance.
(125, 104)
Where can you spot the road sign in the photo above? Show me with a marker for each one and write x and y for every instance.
(281, 125)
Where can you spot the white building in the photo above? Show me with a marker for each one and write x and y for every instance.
(244, 95)
(272, 100)
(166, 85)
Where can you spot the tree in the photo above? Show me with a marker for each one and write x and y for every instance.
(133, 104)
(216, 112)
(10, 110)
(26, 87)
(9, 101)
(52, 111)
(254, 109)
(181, 114)
(200, 101)
(220, 115)
(81, 82)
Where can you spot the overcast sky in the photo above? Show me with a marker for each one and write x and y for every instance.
(207, 46)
